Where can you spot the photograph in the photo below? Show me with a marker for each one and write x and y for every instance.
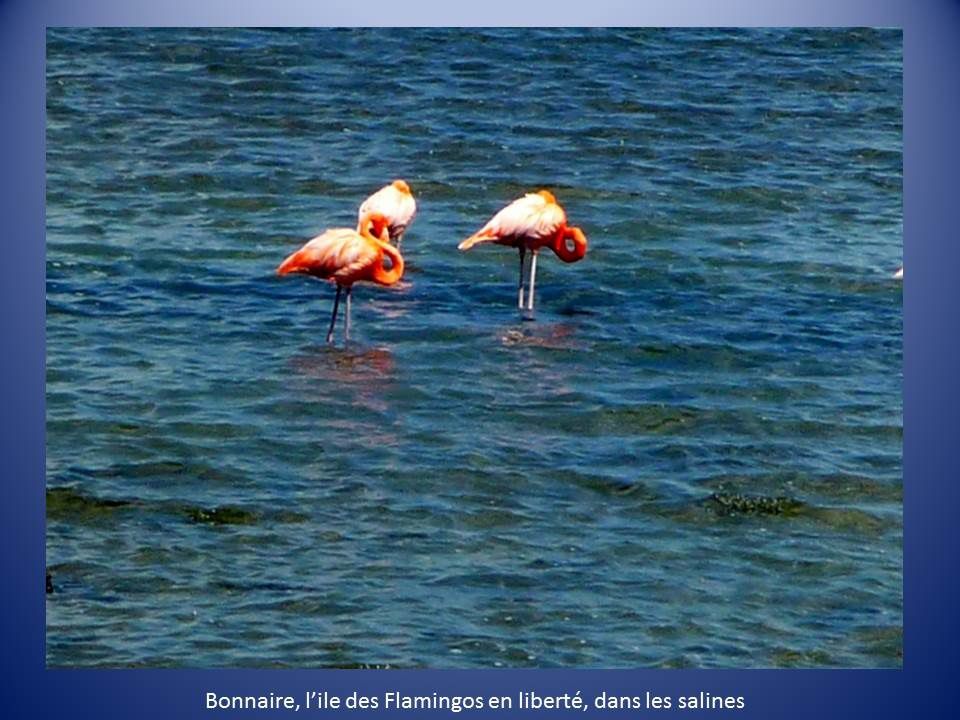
(474, 347)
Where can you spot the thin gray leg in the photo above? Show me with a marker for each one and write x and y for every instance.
(333, 318)
(533, 279)
(346, 329)
(523, 251)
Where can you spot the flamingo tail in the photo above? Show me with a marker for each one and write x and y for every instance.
(480, 237)
(297, 262)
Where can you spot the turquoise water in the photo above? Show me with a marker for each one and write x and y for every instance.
(692, 457)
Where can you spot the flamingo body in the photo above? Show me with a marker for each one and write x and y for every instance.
(393, 202)
(531, 222)
(345, 257)
(898, 275)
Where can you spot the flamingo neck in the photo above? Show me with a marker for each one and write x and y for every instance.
(374, 227)
(380, 274)
(561, 248)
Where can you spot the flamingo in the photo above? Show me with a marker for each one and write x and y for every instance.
(395, 203)
(532, 222)
(898, 275)
(346, 256)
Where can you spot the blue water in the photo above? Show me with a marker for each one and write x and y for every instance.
(692, 457)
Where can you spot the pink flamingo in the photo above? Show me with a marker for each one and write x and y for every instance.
(346, 256)
(532, 222)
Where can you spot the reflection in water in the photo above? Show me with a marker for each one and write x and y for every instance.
(541, 374)
(359, 376)
(555, 336)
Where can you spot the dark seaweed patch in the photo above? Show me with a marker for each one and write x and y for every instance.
(222, 516)
(727, 504)
(67, 503)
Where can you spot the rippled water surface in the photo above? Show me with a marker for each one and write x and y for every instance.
(692, 457)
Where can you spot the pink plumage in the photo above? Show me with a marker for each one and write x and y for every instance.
(393, 202)
(530, 220)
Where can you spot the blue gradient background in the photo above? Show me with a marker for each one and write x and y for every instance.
(926, 686)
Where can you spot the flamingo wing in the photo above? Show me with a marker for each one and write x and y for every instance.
(531, 217)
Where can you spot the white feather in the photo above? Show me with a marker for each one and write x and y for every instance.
(531, 216)
(399, 208)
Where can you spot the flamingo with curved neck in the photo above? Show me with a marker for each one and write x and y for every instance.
(345, 256)
(530, 223)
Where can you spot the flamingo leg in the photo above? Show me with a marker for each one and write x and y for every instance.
(333, 318)
(346, 329)
(523, 251)
(533, 279)
(399, 238)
